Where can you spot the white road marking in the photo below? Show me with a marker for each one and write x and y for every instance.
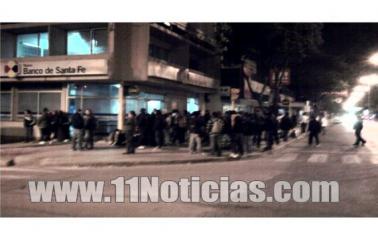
(318, 158)
(17, 169)
(288, 157)
(351, 159)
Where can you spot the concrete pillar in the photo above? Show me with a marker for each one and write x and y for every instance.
(202, 103)
(64, 99)
(14, 103)
(122, 106)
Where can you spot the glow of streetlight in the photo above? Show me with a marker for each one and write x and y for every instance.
(374, 59)
(369, 80)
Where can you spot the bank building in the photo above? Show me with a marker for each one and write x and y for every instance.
(111, 68)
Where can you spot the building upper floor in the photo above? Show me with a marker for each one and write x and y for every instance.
(121, 51)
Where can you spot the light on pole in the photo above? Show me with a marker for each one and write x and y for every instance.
(369, 81)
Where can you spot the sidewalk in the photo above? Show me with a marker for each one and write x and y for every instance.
(104, 155)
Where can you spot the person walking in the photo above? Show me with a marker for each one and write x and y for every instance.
(195, 126)
(77, 122)
(130, 129)
(29, 122)
(314, 128)
(358, 126)
(44, 125)
(90, 125)
(214, 128)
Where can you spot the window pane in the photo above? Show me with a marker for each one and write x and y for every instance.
(131, 105)
(29, 101)
(50, 101)
(5, 105)
(101, 106)
(78, 43)
(192, 105)
(100, 90)
(100, 40)
(74, 90)
(44, 44)
(73, 105)
(27, 45)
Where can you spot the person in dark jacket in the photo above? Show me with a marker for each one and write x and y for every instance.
(237, 130)
(159, 126)
(44, 125)
(29, 122)
(63, 127)
(130, 128)
(142, 124)
(314, 128)
(358, 126)
(195, 127)
(271, 129)
(285, 126)
(77, 123)
(90, 125)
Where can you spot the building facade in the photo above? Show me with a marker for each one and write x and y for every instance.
(111, 68)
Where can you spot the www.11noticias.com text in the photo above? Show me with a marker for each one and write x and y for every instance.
(186, 190)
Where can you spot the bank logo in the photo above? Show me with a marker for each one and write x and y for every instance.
(11, 69)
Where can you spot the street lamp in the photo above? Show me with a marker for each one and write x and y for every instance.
(374, 59)
(369, 80)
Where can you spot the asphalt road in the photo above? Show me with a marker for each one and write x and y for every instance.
(355, 169)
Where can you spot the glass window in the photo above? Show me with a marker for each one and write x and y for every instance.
(101, 98)
(192, 105)
(78, 43)
(154, 104)
(28, 100)
(50, 101)
(5, 105)
(131, 105)
(159, 52)
(101, 106)
(100, 90)
(73, 105)
(86, 42)
(99, 41)
(32, 45)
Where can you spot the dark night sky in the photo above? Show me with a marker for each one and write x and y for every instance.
(342, 56)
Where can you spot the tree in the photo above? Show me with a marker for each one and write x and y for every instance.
(279, 47)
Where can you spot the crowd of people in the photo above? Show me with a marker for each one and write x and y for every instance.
(54, 126)
(241, 132)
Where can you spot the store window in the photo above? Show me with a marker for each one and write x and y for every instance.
(192, 105)
(6, 99)
(32, 45)
(87, 42)
(36, 101)
(148, 101)
(102, 99)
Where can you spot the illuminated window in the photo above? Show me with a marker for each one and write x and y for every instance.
(86, 42)
(192, 105)
(32, 45)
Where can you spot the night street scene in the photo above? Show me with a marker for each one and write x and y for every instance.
(174, 119)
